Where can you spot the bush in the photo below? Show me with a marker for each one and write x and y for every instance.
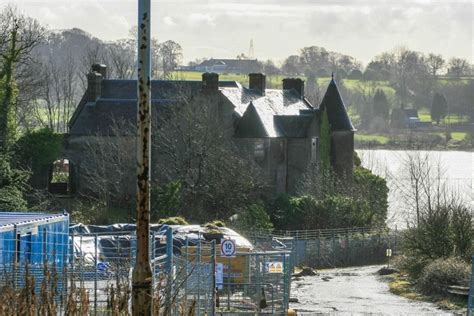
(13, 186)
(165, 200)
(254, 217)
(330, 211)
(38, 148)
(439, 274)
(176, 220)
(355, 74)
(411, 265)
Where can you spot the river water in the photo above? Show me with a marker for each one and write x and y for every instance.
(454, 168)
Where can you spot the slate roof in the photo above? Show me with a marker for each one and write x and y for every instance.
(337, 114)
(278, 112)
(118, 103)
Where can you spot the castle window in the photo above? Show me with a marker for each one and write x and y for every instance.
(259, 149)
(59, 177)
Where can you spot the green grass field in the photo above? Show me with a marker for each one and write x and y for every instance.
(424, 115)
(275, 81)
(381, 139)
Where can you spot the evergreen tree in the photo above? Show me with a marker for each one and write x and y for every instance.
(381, 107)
(439, 107)
(325, 143)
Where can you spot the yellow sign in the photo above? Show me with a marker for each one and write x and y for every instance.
(275, 267)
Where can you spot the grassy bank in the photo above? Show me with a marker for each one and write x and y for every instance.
(400, 285)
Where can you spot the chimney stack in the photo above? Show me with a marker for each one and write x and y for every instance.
(257, 82)
(100, 68)
(210, 82)
(296, 84)
(94, 85)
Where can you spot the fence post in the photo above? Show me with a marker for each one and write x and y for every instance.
(186, 276)
(470, 302)
(95, 274)
(213, 283)
(72, 258)
(169, 266)
(199, 271)
(333, 242)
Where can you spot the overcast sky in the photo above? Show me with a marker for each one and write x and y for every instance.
(223, 28)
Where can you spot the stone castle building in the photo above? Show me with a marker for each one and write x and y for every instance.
(279, 128)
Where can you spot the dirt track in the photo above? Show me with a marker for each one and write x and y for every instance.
(354, 291)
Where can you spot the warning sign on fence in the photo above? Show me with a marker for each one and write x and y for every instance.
(275, 267)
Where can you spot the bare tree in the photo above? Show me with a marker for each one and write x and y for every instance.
(171, 55)
(435, 64)
(457, 67)
(122, 58)
(194, 147)
(423, 184)
(109, 167)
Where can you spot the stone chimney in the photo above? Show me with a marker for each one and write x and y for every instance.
(210, 82)
(94, 85)
(100, 68)
(257, 82)
(296, 84)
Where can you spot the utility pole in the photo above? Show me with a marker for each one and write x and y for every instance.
(142, 276)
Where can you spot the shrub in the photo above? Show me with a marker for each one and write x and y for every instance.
(37, 150)
(254, 217)
(411, 265)
(176, 220)
(330, 211)
(439, 274)
(165, 200)
(216, 223)
(355, 74)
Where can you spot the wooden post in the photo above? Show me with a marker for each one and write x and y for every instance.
(142, 276)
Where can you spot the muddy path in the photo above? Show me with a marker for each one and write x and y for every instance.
(354, 291)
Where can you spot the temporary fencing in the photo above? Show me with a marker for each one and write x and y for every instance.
(330, 247)
(470, 302)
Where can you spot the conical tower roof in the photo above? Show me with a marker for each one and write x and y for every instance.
(337, 113)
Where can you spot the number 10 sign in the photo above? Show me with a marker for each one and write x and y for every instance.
(228, 248)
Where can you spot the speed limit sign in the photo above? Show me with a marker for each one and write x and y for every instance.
(228, 248)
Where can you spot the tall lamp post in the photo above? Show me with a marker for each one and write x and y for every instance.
(142, 275)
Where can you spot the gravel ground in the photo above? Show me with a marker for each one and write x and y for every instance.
(353, 291)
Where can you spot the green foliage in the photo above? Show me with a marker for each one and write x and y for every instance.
(355, 74)
(166, 200)
(444, 232)
(176, 220)
(439, 107)
(357, 161)
(325, 143)
(8, 97)
(13, 185)
(381, 107)
(254, 217)
(38, 149)
(440, 273)
(331, 211)
(374, 190)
